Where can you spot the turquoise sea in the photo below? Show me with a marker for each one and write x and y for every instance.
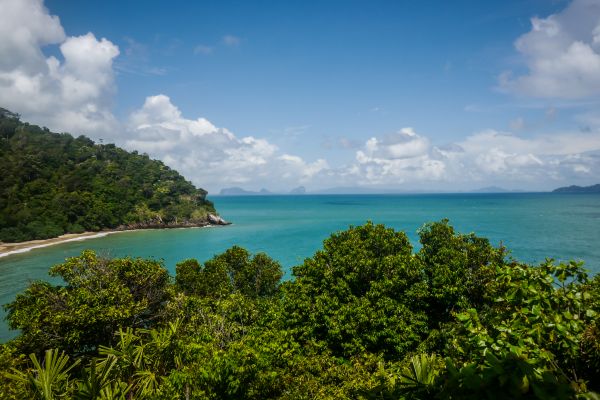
(289, 228)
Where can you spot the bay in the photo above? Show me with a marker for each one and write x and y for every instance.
(533, 226)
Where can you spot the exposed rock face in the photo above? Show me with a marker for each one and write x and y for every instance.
(216, 220)
(211, 219)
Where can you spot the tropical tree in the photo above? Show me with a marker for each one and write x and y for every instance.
(97, 382)
(49, 379)
(98, 297)
(365, 291)
(233, 271)
(364, 318)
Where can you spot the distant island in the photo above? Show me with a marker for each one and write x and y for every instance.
(238, 191)
(358, 190)
(491, 189)
(578, 189)
(53, 183)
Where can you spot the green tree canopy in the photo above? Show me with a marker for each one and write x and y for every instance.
(99, 297)
(234, 271)
(365, 291)
(364, 318)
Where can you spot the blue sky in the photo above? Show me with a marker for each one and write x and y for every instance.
(396, 95)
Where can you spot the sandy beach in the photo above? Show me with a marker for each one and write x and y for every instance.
(7, 249)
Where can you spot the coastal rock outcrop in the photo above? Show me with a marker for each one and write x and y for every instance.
(217, 220)
(211, 219)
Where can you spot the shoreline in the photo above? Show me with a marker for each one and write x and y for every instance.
(8, 249)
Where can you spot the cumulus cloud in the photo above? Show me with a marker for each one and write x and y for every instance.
(25, 27)
(562, 54)
(72, 94)
(409, 160)
(213, 157)
(493, 155)
(398, 158)
(73, 90)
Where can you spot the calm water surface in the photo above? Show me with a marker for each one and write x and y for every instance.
(290, 228)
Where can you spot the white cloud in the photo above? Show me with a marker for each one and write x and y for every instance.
(492, 156)
(562, 54)
(213, 157)
(73, 92)
(294, 167)
(396, 159)
(543, 145)
(70, 95)
(25, 26)
(403, 144)
(408, 160)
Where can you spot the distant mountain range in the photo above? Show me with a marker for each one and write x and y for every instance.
(491, 189)
(495, 189)
(578, 189)
(366, 190)
(238, 191)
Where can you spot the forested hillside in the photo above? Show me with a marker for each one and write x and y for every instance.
(53, 183)
(365, 317)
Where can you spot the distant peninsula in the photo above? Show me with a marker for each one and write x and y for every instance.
(578, 189)
(54, 184)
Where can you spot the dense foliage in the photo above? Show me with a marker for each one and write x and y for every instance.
(365, 318)
(54, 183)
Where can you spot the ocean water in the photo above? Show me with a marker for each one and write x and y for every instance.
(290, 228)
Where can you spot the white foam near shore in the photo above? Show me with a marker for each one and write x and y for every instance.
(55, 241)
